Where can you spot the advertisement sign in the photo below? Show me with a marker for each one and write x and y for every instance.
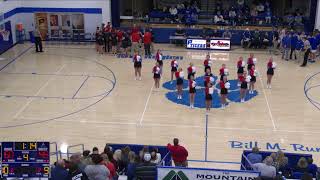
(215, 56)
(220, 44)
(196, 44)
(173, 173)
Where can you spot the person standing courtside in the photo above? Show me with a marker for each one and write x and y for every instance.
(38, 40)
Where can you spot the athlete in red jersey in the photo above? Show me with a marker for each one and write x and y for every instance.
(208, 95)
(240, 65)
(179, 76)
(207, 63)
(244, 79)
(250, 61)
(191, 70)
(253, 73)
(137, 61)
(270, 72)
(174, 68)
(192, 90)
(224, 86)
(156, 75)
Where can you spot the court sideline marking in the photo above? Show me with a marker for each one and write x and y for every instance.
(267, 102)
(39, 91)
(146, 105)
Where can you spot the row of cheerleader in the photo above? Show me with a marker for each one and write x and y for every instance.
(246, 75)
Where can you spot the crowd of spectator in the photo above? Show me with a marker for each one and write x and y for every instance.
(116, 164)
(233, 13)
(277, 164)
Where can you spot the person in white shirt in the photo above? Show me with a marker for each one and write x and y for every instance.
(266, 169)
(174, 13)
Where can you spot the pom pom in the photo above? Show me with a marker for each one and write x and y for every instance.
(274, 65)
(139, 58)
(227, 85)
(181, 74)
(210, 63)
(211, 90)
(160, 57)
(226, 72)
(243, 64)
(193, 69)
(248, 78)
(194, 84)
(254, 60)
(211, 79)
(256, 73)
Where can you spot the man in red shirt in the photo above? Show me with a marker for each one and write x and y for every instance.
(135, 39)
(179, 153)
(147, 42)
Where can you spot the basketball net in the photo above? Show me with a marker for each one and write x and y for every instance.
(5, 35)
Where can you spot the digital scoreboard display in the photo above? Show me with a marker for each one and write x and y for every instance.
(25, 159)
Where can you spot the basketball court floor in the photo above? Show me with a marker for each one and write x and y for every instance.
(70, 94)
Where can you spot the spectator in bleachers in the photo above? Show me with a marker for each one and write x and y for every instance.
(147, 39)
(59, 172)
(286, 45)
(180, 6)
(110, 166)
(117, 156)
(227, 34)
(281, 161)
(131, 168)
(266, 169)
(126, 44)
(179, 153)
(246, 38)
(76, 159)
(268, 16)
(260, 8)
(256, 39)
(302, 165)
(75, 173)
(312, 168)
(111, 159)
(255, 157)
(98, 170)
(294, 41)
(174, 14)
(218, 18)
(232, 16)
(264, 39)
(95, 150)
(155, 156)
(146, 170)
(216, 33)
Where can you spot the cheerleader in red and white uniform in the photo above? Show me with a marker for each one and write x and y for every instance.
(270, 72)
(253, 74)
(224, 86)
(240, 65)
(208, 96)
(244, 80)
(137, 63)
(174, 68)
(208, 78)
(159, 59)
(251, 61)
(191, 71)
(223, 72)
(179, 76)
(192, 90)
(156, 75)
(207, 63)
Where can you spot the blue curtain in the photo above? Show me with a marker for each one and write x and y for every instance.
(115, 13)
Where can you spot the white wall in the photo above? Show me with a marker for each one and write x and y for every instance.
(105, 5)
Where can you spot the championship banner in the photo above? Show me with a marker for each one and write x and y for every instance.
(174, 173)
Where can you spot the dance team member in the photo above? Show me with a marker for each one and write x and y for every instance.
(250, 61)
(192, 90)
(191, 71)
(208, 77)
(244, 79)
(208, 96)
(270, 72)
(253, 73)
(207, 63)
(223, 72)
(179, 76)
(240, 65)
(224, 86)
(159, 59)
(156, 75)
(174, 68)
(137, 63)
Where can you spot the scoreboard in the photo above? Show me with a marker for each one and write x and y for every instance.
(25, 159)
